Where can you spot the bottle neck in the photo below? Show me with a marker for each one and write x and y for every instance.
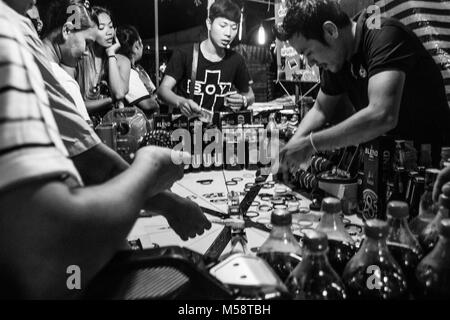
(378, 246)
(441, 251)
(315, 259)
(400, 224)
(281, 232)
(401, 233)
(332, 225)
(281, 239)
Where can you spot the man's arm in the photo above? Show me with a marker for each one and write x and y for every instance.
(94, 106)
(60, 226)
(165, 93)
(100, 164)
(385, 93)
(319, 115)
(250, 96)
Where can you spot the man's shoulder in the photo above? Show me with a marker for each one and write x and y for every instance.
(389, 29)
(234, 56)
(185, 49)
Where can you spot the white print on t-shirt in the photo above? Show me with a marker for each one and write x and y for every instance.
(211, 86)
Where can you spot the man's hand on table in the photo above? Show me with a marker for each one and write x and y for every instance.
(184, 216)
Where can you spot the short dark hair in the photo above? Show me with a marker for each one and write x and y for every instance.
(97, 10)
(225, 9)
(58, 14)
(127, 36)
(307, 18)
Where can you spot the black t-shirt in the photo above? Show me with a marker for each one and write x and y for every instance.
(424, 112)
(214, 79)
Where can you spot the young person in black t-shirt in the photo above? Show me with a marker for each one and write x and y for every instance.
(220, 71)
(380, 71)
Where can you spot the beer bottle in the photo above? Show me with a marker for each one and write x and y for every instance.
(341, 246)
(281, 250)
(314, 278)
(373, 273)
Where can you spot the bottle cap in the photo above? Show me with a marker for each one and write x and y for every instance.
(331, 205)
(376, 229)
(445, 228)
(281, 217)
(315, 240)
(398, 209)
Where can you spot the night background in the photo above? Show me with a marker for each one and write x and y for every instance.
(175, 15)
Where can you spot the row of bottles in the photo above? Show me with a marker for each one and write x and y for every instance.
(389, 264)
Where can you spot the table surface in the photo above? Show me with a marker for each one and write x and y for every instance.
(154, 231)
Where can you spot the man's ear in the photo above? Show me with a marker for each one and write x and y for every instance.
(67, 28)
(330, 31)
(208, 24)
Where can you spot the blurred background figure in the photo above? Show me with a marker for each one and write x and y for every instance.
(103, 75)
(141, 88)
(33, 15)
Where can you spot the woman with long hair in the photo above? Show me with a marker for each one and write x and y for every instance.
(103, 75)
(142, 90)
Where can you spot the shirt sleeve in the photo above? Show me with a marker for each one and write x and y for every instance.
(242, 79)
(390, 48)
(30, 145)
(176, 66)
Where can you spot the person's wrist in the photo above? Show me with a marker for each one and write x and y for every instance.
(244, 101)
(112, 56)
(311, 141)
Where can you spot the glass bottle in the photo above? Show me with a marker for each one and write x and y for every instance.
(433, 272)
(396, 189)
(341, 246)
(427, 207)
(281, 250)
(314, 278)
(430, 234)
(402, 244)
(373, 273)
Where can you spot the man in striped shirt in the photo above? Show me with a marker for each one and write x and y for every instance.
(95, 162)
(48, 220)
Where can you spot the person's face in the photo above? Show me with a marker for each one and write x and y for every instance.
(21, 6)
(330, 57)
(106, 32)
(138, 49)
(76, 45)
(222, 31)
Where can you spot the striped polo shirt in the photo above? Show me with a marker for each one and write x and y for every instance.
(30, 143)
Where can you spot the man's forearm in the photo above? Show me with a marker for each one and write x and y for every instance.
(98, 105)
(361, 127)
(313, 120)
(250, 96)
(168, 96)
(99, 164)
